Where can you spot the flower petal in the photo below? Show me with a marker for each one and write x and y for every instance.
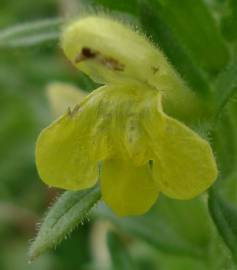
(62, 154)
(127, 189)
(185, 165)
(122, 107)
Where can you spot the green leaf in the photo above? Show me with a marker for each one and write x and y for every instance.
(225, 218)
(225, 85)
(68, 211)
(194, 27)
(29, 34)
(119, 254)
(155, 25)
(169, 227)
(224, 141)
(229, 22)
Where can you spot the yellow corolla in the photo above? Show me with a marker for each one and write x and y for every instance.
(119, 134)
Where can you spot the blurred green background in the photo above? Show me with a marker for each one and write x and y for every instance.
(199, 39)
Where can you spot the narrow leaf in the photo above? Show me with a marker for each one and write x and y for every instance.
(225, 218)
(224, 142)
(194, 27)
(32, 33)
(229, 22)
(154, 25)
(68, 211)
(225, 85)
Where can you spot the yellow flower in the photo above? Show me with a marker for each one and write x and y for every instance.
(122, 126)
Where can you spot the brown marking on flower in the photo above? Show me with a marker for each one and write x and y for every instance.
(72, 112)
(110, 62)
(113, 64)
(85, 54)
